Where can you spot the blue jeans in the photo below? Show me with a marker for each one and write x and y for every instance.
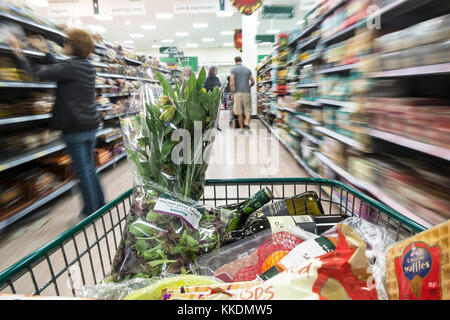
(81, 149)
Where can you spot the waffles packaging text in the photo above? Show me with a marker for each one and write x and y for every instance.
(418, 268)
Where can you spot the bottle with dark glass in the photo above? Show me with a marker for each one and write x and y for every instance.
(243, 210)
(313, 224)
(307, 203)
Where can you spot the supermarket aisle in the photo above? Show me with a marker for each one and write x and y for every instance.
(235, 155)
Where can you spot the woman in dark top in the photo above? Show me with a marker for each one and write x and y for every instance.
(74, 112)
(212, 81)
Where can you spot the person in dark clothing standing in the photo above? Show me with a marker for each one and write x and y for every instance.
(212, 81)
(74, 112)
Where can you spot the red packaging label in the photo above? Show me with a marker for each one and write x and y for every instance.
(418, 272)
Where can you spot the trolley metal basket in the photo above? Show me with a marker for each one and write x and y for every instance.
(83, 254)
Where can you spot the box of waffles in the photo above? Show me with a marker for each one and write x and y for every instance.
(418, 268)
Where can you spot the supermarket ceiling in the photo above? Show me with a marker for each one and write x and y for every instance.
(146, 32)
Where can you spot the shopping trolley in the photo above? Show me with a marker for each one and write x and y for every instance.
(83, 254)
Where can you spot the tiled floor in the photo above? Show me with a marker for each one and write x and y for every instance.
(252, 154)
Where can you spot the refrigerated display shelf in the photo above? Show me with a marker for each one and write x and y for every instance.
(343, 68)
(342, 138)
(439, 152)
(28, 52)
(308, 120)
(308, 136)
(435, 69)
(20, 119)
(56, 193)
(307, 85)
(132, 61)
(374, 190)
(299, 160)
(99, 64)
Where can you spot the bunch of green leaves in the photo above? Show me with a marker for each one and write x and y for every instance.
(178, 108)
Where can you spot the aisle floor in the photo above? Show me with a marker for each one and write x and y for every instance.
(249, 154)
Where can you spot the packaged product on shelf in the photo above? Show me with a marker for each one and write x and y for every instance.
(418, 268)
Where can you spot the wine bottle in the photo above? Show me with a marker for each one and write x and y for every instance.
(242, 211)
(274, 223)
(307, 203)
(313, 224)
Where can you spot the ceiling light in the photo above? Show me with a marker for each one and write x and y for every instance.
(200, 25)
(224, 14)
(300, 22)
(148, 27)
(127, 22)
(227, 33)
(96, 28)
(208, 39)
(38, 3)
(273, 31)
(181, 34)
(128, 42)
(164, 15)
(156, 46)
(265, 43)
(167, 41)
(192, 45)
(102, 17)
(228, 44)
(136, 35)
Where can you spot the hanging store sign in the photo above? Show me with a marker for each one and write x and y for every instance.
(70, 8)
(196, 6)
(238, 39)
(247, 7)
(278, 12)
(168, 50)
(89, 8)
(260, 38)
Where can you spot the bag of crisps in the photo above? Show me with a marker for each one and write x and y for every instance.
(341, 274)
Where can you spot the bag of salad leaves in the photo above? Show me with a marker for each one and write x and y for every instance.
(168, 144)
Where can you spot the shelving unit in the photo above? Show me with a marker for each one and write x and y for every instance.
(342, 138)
(20, 119)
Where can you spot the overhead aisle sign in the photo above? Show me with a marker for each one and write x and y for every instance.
(196, 6)
(86, 8)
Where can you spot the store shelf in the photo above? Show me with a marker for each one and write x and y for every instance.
(308, 120)
(116, 76)
(27, 85)
(99, 64)
(308, 44)
(58, 192)
(20, 119)
(344, 33)
(111, 139)
(114, 160)
(115, 95)
(28, 52)
(49, 32)
(299, 160)
(37, 204)
(336, 103)
(375, 191)
(265, 81)
(102, 86)
(439, 152)
(103, 131)
(342, 138)
(111, 116)
(309, 103)
(308, 85)
(308, 136)
(435, 69)
(132, 61)
(10, 161)
(315, 57)
(344, 68)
